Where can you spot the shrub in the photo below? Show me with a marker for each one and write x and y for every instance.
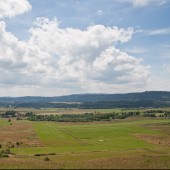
(52, 154)
(39, 154)
(5, 153)
(46, 158)
(12, 146)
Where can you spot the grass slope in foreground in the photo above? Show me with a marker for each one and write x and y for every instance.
(124, 144)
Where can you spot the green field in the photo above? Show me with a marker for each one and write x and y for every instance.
(118, 144)
(3, 123)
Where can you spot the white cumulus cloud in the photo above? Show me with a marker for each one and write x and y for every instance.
(11, 50)
(85, 54)
(167, 68)
(9, 8)
(72, 59)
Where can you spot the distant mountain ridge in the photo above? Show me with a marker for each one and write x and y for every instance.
(147, 95)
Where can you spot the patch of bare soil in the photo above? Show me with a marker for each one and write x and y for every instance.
(164, 127)
(155, 139)
(18, 134)
(158, 139)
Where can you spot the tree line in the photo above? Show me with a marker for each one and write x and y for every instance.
(90, 117)
(87, 117)
(90, 105)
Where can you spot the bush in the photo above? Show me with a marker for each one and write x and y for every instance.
(39, 154)
(52, 154)
(46, 158)
(12, 146)
(5, 153)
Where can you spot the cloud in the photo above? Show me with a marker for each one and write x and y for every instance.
(19, 63)
(11, 50)
(162, 83)
(136, 50)
(71, 59)
(163, 31)
(162, 3)
(88, 54)
(99, 12)
(10, 8)
(166, 67)
(142, 3)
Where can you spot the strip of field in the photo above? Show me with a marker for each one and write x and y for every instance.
(90, 145)
(65, 138)
(55, 111)
(18, 134)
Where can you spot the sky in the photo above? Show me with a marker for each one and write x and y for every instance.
(61, 47)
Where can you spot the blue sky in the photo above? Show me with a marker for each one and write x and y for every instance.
(59, 47)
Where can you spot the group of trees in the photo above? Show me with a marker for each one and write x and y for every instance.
(90, 104)
(99, 104)
(124, 104)
(13, 113)
(87, 117)
(90, 117)
(156, 113)
(9, 113)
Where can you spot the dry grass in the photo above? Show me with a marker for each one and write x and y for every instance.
(163, 138)
(155, 139)
(145, 162)
(18, 132)
(29, 163)
(119, 162)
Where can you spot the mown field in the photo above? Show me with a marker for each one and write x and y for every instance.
(131, 143)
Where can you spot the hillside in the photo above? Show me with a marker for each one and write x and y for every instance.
(148, 95)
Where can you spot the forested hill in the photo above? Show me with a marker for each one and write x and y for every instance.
(148, 95)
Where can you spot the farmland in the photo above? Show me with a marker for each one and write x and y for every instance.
(55, 111)
(128, 143)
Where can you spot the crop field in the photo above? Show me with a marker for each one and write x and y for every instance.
(131, 143)
(55, 111)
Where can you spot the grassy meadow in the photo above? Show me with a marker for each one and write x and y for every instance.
(130, 143)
